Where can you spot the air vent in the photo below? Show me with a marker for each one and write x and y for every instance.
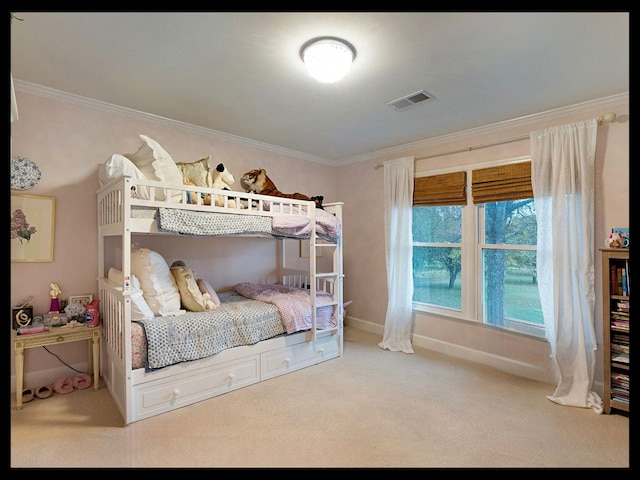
(410, 100)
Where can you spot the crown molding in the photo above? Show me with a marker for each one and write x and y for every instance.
(608, 102)
(558, 113)
(73, 99)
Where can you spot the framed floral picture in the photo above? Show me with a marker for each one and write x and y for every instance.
(32, 228)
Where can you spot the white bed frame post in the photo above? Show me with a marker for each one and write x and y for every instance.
(313, 272)
(114, 201)
(336, 209)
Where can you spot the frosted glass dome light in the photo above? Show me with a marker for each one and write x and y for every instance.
(328, 59)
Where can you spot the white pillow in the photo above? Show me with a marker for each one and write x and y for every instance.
(159, 288)
(139, 306)
(156, 164)
(117, 166)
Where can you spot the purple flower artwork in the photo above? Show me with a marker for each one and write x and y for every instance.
(20, 228)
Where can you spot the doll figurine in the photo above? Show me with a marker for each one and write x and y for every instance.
(55, 292)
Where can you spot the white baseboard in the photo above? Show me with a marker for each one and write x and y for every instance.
(533, 372)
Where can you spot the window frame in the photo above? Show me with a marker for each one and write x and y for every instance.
(472, 308)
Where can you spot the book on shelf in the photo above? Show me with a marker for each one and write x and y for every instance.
(620, 338)
(620, 399)
(628, 277)
(618, 280)
(622, 327)
(620, 376)
(620, 357)
(621, 379)
(620, 348)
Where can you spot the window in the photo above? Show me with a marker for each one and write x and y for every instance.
(474, 257)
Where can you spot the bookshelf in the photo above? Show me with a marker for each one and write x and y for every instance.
(616, 289)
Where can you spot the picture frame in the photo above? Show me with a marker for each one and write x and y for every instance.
(32, 228)
(304, 250)
(84, 299)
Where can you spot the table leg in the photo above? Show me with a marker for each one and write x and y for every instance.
(96, 363)
(19, 376)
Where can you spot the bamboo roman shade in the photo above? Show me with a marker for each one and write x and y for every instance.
(445, 189)
(506, 182)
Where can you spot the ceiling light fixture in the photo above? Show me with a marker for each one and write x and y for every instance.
(328, 59)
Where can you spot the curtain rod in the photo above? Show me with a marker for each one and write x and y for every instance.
(606, 118)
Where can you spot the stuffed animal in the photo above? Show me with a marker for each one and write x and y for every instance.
(257, 181)
(222, 180)
(192, 297)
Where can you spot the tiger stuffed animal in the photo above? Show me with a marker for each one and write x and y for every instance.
(257, 181)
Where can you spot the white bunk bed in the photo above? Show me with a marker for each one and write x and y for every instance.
(140, 392)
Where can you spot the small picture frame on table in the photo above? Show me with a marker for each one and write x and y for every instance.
(83, 300)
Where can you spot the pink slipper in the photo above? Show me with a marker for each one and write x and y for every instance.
(82, 381)
(63, 385)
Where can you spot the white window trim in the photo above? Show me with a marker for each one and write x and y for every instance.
(471, 308)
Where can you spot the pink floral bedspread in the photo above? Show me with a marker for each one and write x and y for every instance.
(294, 305)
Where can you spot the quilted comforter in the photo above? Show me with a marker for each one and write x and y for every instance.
(294, 305)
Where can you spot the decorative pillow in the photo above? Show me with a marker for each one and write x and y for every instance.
(156, 164)
(159, 288)
(139, 306)
(197, 173)
(190, 294)
(117, 166)
(208, 293)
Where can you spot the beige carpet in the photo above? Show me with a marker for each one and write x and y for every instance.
(370, 408)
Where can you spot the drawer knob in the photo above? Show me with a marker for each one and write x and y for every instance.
(176, 392)
(231, 376)
(286, 361)
(321, 350)
(60, 339)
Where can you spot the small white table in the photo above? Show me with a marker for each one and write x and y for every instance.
(53, 336)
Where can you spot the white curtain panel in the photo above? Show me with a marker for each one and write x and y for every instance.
(14, 104)
(398, 215)
(563, 180)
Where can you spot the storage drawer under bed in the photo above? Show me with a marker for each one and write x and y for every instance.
(155, 397)
(295, 357)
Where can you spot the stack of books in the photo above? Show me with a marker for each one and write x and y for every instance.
(620, 387)
(620, 321)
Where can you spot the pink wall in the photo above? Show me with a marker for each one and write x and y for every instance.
(68, 141)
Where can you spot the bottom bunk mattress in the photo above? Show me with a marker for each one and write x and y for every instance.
(161, 341)
(272, 310)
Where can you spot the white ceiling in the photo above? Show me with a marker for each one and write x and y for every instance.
(240, 72)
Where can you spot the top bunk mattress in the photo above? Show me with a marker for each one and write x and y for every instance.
(201, 223)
